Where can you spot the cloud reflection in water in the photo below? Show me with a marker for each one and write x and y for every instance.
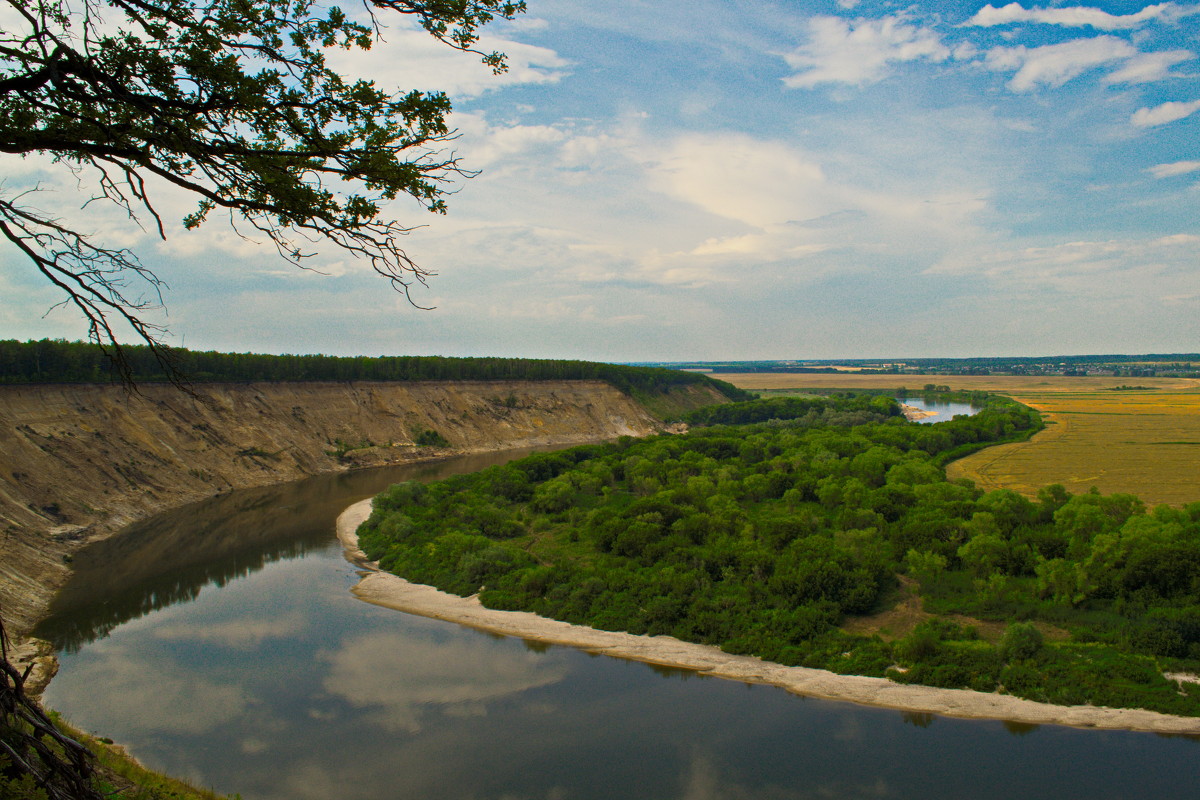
(145, 696)
(404, 677)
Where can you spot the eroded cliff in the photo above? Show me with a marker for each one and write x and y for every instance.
(80, 462)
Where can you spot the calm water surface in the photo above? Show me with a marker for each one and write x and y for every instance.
(222, 643)
(944, 410)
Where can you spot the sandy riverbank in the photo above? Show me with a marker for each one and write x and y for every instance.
(914, 414)
(384, 589)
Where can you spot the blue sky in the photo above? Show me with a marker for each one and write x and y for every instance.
(738, 180)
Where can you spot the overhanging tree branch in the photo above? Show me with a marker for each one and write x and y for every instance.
(232, 101)
(93, 279)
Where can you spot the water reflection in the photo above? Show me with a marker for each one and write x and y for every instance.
(169, 558)
(238, 634)
(920, 719)
(280, 685)
(704, 779)
(1020, 728)
(135, 690)
(428, 675)
(678, 673)
(943, 410)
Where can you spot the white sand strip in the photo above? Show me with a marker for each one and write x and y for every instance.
(912, 413)
(385, 589)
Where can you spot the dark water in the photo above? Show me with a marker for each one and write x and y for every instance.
(169, 558)
(221, 643)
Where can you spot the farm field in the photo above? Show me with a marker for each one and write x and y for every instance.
(1144, 442)
(1002, 384)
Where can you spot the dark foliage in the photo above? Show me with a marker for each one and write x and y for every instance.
(57, 361)
(763, 538)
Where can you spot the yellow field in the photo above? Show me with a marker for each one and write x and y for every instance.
(1002, 384)
(1143, 442)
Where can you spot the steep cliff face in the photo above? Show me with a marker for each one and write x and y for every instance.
(80, 462)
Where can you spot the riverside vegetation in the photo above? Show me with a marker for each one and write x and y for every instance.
(1099, 431)
(767, 533)
(185, 446)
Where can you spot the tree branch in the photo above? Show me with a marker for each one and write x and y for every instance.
(231, 101)
(60, 766)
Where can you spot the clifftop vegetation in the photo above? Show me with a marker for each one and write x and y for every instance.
(58, 361)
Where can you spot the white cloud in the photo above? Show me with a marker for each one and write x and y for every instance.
(1078, 16)
(750, 244)
(1149, 67)
(1055, 64)
(803, 223)
(1180, 239)
(409, 58)
(1020, 125)
(25, 170)
(777, 188)
(1177, 168)
(861, 52)
(745, 179)
(597, 197)
(1162, 114)
(74, 198)
(1150, 269)
(505, 142)
(561, 308)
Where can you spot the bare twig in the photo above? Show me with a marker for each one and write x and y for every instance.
(60, 766)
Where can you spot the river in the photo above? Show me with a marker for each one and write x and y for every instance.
(221, 643)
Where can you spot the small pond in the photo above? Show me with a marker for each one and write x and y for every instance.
(942, 410)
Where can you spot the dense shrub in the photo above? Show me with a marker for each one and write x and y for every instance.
(763, 538)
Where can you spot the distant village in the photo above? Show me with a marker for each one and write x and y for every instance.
(1176, 365)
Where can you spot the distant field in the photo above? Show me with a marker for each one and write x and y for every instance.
(1004, 384)
(1143, 442)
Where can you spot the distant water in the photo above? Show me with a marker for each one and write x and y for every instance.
(944, 410)
(251, 668)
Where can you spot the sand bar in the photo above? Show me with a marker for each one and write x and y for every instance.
(384, 589)
(914, 414)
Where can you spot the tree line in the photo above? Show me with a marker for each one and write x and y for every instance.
(765, 538)
(60, 361)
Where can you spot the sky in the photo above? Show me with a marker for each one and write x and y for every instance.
(721, 179)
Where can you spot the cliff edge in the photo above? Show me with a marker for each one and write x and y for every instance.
(79, 462)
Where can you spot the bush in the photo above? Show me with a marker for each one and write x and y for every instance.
(430, 438)
(1021, 641)
(922, 644)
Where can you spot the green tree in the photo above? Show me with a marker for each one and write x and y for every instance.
(1059, 580)
(234, 102)
(983, 554)
(927, 568)
(1021, 640)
